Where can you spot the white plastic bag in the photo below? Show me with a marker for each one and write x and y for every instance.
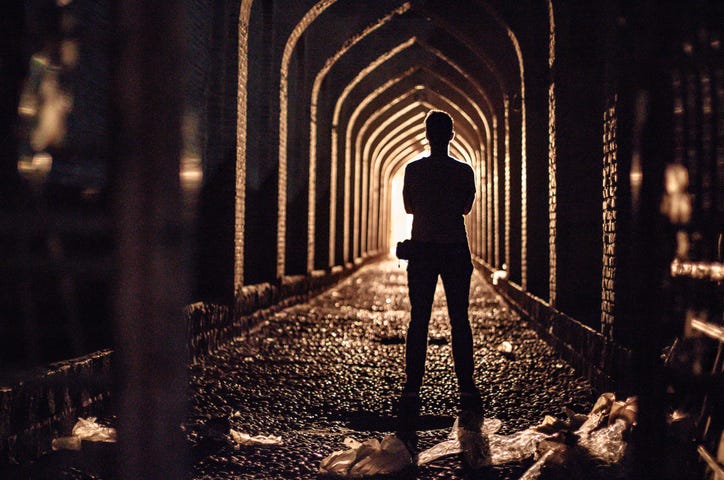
(85, 429)
(486, 448)
(515, 447)
(368, 458)
(600, 440)
(246, 439)
(88, 429)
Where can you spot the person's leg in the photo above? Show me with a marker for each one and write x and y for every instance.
(422, 281)
(456, 280)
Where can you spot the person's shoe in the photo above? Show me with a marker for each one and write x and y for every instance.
(475, 445)
(475, 449)
(471, 411)
(408, 411)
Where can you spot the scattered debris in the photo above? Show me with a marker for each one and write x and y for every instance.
(499, 275)
(598, 444)
(368, 458)
(574, 446)
(85, 429)
(246, 439)
(505, 347)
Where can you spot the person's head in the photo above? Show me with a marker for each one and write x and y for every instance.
(439, 128)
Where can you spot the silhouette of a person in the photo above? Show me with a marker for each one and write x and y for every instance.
(438, 190)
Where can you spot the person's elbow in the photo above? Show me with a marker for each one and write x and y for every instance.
(407, 201)
(468, 205)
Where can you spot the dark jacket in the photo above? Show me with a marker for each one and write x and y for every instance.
(438, 191)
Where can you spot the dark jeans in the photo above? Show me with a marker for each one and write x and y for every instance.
(452, 263)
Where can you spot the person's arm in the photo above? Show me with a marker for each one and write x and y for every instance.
(471, 192)
(407, 191)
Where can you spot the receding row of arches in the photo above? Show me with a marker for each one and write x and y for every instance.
(351, 103)
(303, 115)
(329, 98)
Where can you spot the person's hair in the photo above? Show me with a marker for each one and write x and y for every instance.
(439, 127)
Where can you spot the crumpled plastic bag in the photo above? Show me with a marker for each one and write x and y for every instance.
(241, 438)
(599, 436)
(515, 447)
(607, 444)
(460, 441)
(598, 443)
(368, 458)
(596, 440)
(598, 455)
(85, 429)
(88, 429)
(494, 450)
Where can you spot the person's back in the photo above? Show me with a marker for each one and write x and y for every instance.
(438, 191)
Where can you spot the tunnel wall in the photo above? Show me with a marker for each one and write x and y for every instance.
(213, 31)
(45, 404)
(578, 75)
(607, 364)
(209, 326)
(571, 76)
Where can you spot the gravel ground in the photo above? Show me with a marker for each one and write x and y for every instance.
(332, 368)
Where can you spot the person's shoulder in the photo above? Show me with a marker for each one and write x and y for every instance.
(460, 164)
(417, 163)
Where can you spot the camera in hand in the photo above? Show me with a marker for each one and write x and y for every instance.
(405, 249)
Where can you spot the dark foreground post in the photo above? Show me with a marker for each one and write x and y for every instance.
(152, 278)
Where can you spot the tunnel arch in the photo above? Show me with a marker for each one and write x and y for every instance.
(385, 140)
(357, 165)
(345, 203)
(345, 92)
(505, 64)
(467, 128)
(363, 128)
(391, 163)
(291, 43)
(442, 78)
(241, 129)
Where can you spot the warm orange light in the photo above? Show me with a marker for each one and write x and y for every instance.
(400, 221)
(190, 173)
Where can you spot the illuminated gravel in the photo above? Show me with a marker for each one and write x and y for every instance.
(318, 372)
